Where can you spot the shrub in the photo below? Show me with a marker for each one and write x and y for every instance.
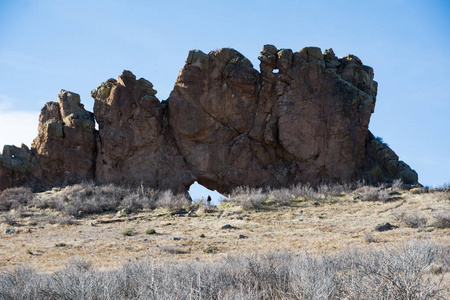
(128, 232)
(397, 185)
(150, 231)
(370, 193)
(172, 250)
(331, 190)
(419, 190)
(10, 218)
(248, 198)
(168, 200)
(305, 192)
(140, 199)
(442, 218)
(282, 197)
(369, 237)
(209, 249)
(404, 272)
(63, 219)
(86, 198)
(414, 219)
(15, 197)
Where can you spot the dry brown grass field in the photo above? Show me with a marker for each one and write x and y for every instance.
(40, 233)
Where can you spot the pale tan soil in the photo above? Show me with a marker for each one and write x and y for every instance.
(304, 226)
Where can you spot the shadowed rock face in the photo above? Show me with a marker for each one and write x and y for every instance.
(303, 118)
(134, 143)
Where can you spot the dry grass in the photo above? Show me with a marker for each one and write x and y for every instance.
(312, 221)
(411, 271)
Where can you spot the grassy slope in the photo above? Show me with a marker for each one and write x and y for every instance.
(332, 224)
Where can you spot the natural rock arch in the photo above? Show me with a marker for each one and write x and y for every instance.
(224, 125)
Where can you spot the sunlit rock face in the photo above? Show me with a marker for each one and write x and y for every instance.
(303, 118)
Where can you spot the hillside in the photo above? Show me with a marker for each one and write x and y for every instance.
(46, 230)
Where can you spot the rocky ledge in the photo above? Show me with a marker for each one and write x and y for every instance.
(303, 118)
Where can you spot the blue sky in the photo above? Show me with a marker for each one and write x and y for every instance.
(46, 46)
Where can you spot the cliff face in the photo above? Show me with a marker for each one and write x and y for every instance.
(303, 118)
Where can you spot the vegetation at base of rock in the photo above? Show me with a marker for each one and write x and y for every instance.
(412, 271)
(86, 198)
(370, 193)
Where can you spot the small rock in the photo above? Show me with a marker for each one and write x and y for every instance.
(385, 227)
(241, 236)
(176, 238)
(228, 226)
(10, 231)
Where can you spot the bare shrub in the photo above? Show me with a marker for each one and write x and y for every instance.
(172, 250)
(397, 185)
(282, 197)
(86, 198)
(442, 218)
(168, 200)
(404, 272)
(63, 219)
(10, 218)
(369, 237)
(135, 202)
(370, 193)
(15, 197)
(305, 192)
(248, 198)
(414, 219)
(13, 216)
(331, 190)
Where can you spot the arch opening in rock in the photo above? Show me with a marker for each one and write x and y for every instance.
(198, 191)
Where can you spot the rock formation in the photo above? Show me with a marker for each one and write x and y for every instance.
(303, 118)
(134, 143)
(65, 146)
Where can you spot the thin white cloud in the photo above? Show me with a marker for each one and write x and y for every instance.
(16, 126)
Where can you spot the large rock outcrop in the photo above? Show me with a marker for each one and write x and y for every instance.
(303, 118)
(134, 143)
(65, 146)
